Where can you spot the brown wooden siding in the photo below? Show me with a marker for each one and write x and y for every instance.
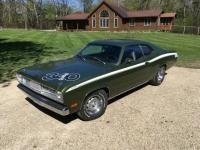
(111, 21)
(123, 24)
(139, 24)
(82, 21)
(166, 27)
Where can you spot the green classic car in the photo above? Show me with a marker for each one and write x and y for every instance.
(101, 71)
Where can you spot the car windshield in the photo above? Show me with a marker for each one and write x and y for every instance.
(101, 53)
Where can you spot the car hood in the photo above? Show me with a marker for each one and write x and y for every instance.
(64, 74)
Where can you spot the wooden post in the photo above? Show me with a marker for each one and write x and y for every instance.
(184, 30)
(77, 26)
(170, 27)
(198, 31)
(159, 22)
(66, 26)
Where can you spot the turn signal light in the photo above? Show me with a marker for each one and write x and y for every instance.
(74, 105)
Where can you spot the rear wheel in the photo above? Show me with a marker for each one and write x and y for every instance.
(93, 106)
(159, 76)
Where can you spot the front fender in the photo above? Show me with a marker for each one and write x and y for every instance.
(78, 95)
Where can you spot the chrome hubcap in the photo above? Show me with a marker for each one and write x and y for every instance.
(94, 105)
(161, 74)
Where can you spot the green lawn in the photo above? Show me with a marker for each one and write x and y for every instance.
(19, 48)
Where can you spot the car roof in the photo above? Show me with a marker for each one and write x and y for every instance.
(119, 42)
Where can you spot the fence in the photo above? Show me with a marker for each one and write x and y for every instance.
(186, 29)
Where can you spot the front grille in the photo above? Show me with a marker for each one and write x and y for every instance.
(45, 102)
(41, 89)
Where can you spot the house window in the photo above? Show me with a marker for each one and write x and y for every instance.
(115, 22)
(164, 21)
(93, 23)
(104, 23)
(147, 22)
(104, 19)
(115, 15)
(132, 22)
(104, 13)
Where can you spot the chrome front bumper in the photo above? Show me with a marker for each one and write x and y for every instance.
(45, 102)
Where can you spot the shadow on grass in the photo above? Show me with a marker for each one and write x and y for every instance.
(18, 54)
(2, 40)
(72, 117)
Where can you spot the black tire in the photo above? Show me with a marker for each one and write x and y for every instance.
(93, 106)
(159, 76)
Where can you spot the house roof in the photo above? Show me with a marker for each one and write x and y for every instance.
(75, 16)
(165, 15)
(121, 11)
(144, 13)
(125, 13)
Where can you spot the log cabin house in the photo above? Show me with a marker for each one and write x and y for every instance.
(111, 17)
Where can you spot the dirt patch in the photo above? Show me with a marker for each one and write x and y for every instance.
(164, 117)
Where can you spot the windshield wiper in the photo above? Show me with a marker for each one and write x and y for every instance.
(82, 58)
(95, 58)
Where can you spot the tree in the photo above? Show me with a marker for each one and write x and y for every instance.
(87, 5)
(195, 11)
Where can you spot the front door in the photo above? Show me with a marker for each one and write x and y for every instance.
(132, 70)
(149, 54)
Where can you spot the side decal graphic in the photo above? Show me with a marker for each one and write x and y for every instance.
(120, 71)
(61, 77)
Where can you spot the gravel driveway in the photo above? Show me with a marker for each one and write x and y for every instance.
(164, 117)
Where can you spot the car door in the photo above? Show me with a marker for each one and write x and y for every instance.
(132, 69)
(149, 54)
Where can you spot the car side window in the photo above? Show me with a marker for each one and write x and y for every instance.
(132, 53)
(146, 50)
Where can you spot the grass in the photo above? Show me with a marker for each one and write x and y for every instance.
(19, 48)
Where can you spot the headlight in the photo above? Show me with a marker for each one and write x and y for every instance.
(19, 77)
(53, 94)
(59, 95)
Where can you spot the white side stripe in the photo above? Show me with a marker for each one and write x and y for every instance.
(120, 71)
(163, 56)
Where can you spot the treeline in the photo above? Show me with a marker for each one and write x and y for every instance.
(41, 14)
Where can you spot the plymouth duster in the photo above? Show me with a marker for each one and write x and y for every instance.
(99, 72)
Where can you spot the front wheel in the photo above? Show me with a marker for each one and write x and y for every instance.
(93, 106)
(159, 76)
